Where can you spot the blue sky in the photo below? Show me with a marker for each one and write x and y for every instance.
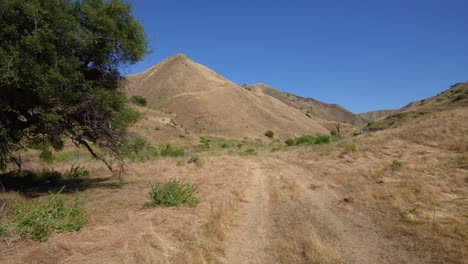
(364, 54)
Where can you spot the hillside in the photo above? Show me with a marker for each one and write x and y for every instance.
(454, 97)
(373, 115)
(202, 102)
(311, 107)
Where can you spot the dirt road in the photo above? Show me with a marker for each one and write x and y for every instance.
(293, 214)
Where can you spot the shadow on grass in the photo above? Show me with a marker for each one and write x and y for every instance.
(33, 184)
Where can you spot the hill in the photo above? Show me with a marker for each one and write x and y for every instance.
(456, 97)
(311, 107)
(202, 102)
(373, 115)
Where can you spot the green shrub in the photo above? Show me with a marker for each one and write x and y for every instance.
(275, 149)
(269, 134)
(322, 139)
(306, 140)
(138, 149)
(459, 97)
(351, 147)
(397, 164)
(173, 193)
(46, 156)
(138, 100)
(249, 151)
(333, 133)
(75, 172)
(224, 145)
(168, 151)
(290, 142)
(38, 221)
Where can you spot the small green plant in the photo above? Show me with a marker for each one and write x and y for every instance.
(224, 145)
(351, 147)
(269, 134)
(75, 172)
(173, 193)
(322, 139)
(290, 142)
(169, 151)
(138, 100)
(275, 149)
(306, 140)
(46, 155)
(138, 149)
(397, 164)
(38, 221)
(248, 152)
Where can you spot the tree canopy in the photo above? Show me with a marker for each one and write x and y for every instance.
(60, 72)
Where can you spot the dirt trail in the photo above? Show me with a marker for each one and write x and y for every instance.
(294, 215)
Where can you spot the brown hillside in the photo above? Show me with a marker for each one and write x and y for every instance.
(202, 102)
(373, 115)
(453, 98)
(311, 107)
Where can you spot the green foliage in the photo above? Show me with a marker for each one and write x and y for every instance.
(169, 151)
(72, 156)
(37, 221)
(224, 145)
(333, 133)
(138, 100)
(138, 149)
(322, 139)
(306, 140)
(269, 134)
(290, 142)
(60, 74)
(46, 156)
(351, 147)
(459, 97)
(75, 172)
(173, 193)
(397, 164)
(249, 152)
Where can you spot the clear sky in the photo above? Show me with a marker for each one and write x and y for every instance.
(362, 54)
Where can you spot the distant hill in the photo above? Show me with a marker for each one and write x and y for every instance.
(455, 97)
(373, 115)
(200, 101)
(311, 107)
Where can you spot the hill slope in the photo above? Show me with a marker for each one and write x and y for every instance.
(202, 102)
(311, 107)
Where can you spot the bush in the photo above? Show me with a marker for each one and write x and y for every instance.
(322, 139)
(224, 145)
(351, 147)
(269, 134)
(290, 142)
(138, 100)
(138, 149)
(306, 140)
(333, 133)
(75, 172)
(397, 164)
(173, 193)
(38, 221)
(46, 156)
(249, 151)
(168, 151)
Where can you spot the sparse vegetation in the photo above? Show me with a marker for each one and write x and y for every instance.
(269, 134)
(46, 156)
(138, 149)
(173, 193)
(37, 221)
(169, 151)
(75, 172)
(397, 164)
(138, 100)
(351, 147)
